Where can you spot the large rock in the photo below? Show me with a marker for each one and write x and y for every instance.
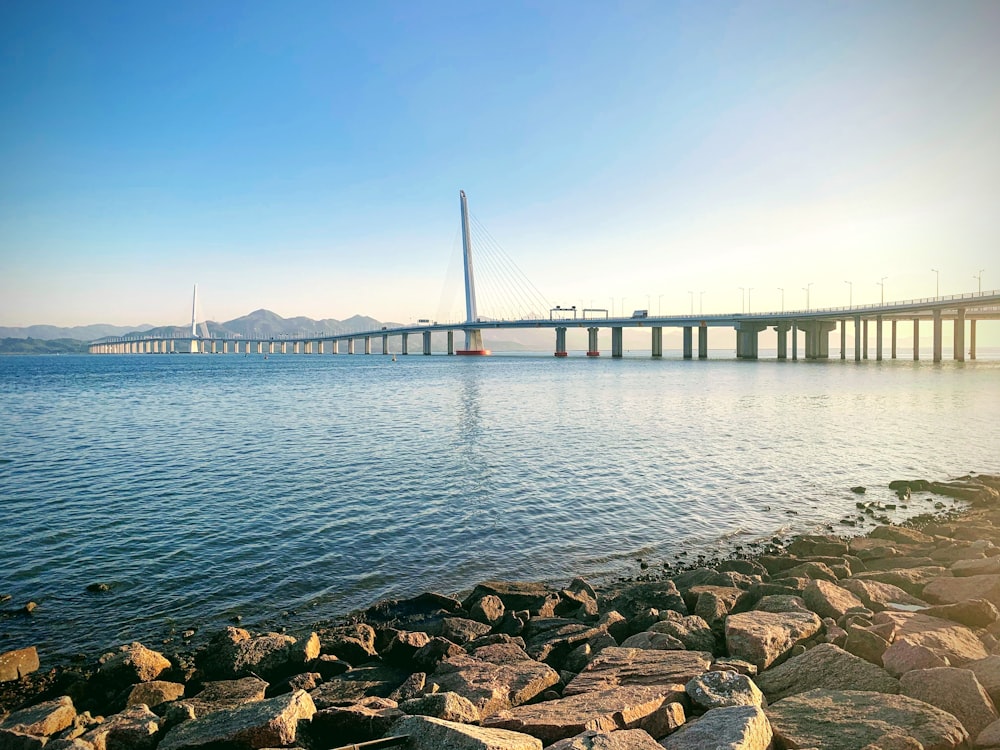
(355, 643)
(362, 722)
(354, 685)
(493, 687)
(952, 590)
(135, 728)
(692, 631)
(427, 733)
(987, 671)
(648, 639)
(762, 638)
(641, 597)
(41, 720)
(16, 664)
(911, 580)
(976, 613)
(851, 719)
(730, 728)
(537, 598)
(825, 666)
(624, 739)
(447, 706)
(550, 639)
(956, 643)
(877, 595)
(154, 693)
(620, 667)
(645, 708)
(721, 689)
(133, 663)
(829, 600)
(235, 653)
(269, 723)
(956, 691)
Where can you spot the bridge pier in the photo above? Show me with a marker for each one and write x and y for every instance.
(687, 342)
(937, 335)
(864, 339)
(350, 346)
(782, 330)
(194, 346)
(592, 348)
(857, 338)
(878, 338)
(972, 338)
(656, 341)
(746, 339)
(385, 344)
(404, 343)
(270, 347)
(843, 338)
(368, 344)
(916, 339)
(795, 340)
(561, 342)
(427, 342)
(818, 338)
(451, 342)
(894, 338)
(616, 342)
(702, 341)
(958, 337)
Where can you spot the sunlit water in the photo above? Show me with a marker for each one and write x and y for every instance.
(293, 489)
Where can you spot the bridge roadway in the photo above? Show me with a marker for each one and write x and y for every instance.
(816, 325)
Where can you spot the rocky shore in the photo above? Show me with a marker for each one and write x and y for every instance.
(889, 640)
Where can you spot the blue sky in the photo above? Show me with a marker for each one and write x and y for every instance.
(306, 157)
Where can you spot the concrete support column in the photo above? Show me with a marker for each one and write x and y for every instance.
(857, 338)
(937, 335)
(270, 348)
(215, 347)
(561, 342)
(795, 341)
(958, 337)
(307, 347)
(687, 342)
(878, 338)
(335, 347)
(368, 344)
(782, 330)
(451, 342)
(972, 338)
(616, 342)
(404, 344)
(893, 339)
(427, 342)
(818, 338)
(656, 341)
(385, 344)
(350, 346)
(864, 339)
(194, 346)
(592, 348)
(843, 338)
(746, 339)
(916, 339)
(703, 341)
(173, 346)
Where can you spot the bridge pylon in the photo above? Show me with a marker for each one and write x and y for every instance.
(473, 336)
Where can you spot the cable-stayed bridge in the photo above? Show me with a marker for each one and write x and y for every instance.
(524, 307)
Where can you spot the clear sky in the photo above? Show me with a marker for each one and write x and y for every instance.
(306, 157)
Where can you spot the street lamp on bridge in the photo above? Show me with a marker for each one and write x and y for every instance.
(937, 283)
(881, 283)
(850, 293)
(980, 277)
(701, 299)
(659, 305)
(782, 290)
(743, 303)
(749, 289)
(806, 290)
(692, 301)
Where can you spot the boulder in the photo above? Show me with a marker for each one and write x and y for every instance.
(987, 671)
(493, 687)
(828, 599)
(222, 694)
(811, 571)
(865, 643)
(781, 603)
(447, 706)
(952, 590)
(154, 693)
(956, 643)
(269, 723)
(412, 687)
(550, 639)
(488, 609)
(877, 595)
(403, 645)
(900, 534)
(990, 736)
(729, 728)
(640, 597)
(361, 722)
(624, 739)
(911, 580)
(135, 728)
(825, 666)
(975, 613)
(16, 664)
(236, 653)
(133, 663)
(620, 667)
(462, 630)
(633, 707)
(421, 612)
(692, 631)
(537, 598)
(956, 691)
(762, 638)
(975, 567)
(649, 639)
(851, 719)
(355, 644)
(428, 733)
(43, 719)
(719, 689)
(904, 657)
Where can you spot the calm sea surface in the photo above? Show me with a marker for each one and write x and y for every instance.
(293, 489)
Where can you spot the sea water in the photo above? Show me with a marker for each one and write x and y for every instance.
(291, 489)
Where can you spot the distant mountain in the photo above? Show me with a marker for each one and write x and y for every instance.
(42, 346)
(80, 333)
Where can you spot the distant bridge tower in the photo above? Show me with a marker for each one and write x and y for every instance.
(194, 307)
(473, 336)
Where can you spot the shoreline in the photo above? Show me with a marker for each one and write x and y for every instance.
(402, 629)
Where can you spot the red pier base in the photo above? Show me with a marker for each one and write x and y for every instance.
(473, 352)
(593, 354)
(562, 354)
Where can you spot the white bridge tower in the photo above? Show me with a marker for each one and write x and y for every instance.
(473, 336)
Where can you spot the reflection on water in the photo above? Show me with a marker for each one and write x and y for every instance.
(201, 487)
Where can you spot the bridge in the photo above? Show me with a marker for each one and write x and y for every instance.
(961, 311)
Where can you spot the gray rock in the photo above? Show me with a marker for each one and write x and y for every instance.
(956, 691)
(624, 739)
(154, 693)
(135, 728)
(223, 694)
(829, 600)
(720, 689)
(493, 687)
(851, 719)
(987, 671)
(620, 667)
(730, 728)
(133, 663)
(488, 609)
(428, 733)
(269, 723)
(825, 666)
(357, 684)
(762, 638)
(447, 706)
(43, 719)
(692, 631)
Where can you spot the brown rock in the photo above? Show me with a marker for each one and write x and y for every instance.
(730, 728)
(604, 710)
(975, 567)
(976, 613)
(154, 693)
(641, 597)
(777, 603)
(488, 609)
(648, 639)
(235, 653)
(537, 598)
(621, 667)
(357, 684)
(447, 706)
(761, 638)
(850, 719)
(624, 739)
(269, 723)
(987, 671)
(135, 728)
(867, 644)
(952, 590)
(428, 733)
(223, 694)
(16, 664)
(42, 720)
(811, 571)
(493, 687)
(403, 645)
(361, 722)
(877, 595)
(355, 644)
(824, 666)
(828, 599)
(951, 641)
(904, 657)
(133, 663)
(956, 691)
(990, 736)
(692, 631)
(894, 741)
(900, 534)
(462, 630)
(911, 580)
(720, 689)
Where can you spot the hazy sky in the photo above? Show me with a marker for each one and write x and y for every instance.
(306, 157)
